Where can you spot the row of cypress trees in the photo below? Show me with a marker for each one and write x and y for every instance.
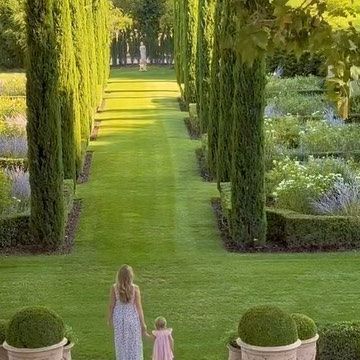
(68, 64)
(230, 99)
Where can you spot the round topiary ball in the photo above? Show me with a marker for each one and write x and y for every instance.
(3, 328)
(35, 327)
(306, 326)
(267, 326)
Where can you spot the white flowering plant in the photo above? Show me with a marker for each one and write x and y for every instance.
(295, 186)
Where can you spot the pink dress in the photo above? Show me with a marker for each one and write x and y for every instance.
(162, 346)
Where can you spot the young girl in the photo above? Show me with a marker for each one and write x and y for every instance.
(163, 341)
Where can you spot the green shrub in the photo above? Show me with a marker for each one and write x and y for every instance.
(11, 107)
(339, 341)
(5, 192)
(276, 85)
(306, 326)
(299, 104)
(307, 64)
(294, 231)
(267, 326)
(13, 85)
(320, 136)
(296, 186)
(3, 329)
(35, 327)
(15, 230)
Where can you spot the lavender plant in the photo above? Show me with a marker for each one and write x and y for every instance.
(13, 146)
(342, 199)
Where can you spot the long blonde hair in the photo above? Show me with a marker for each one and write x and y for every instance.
(124, 283)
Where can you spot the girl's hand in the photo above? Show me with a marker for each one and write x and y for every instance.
(144, 329)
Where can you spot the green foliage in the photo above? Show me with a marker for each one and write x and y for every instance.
(12, 33)
(3, 329)
(267, 326)
(299, 232)
(5, 192)
(189, 47)
(295, 186)
(291, 66)
(83, 110)
(227, 96)
(15, 231)
(204, 57)
(299, 104)
(213, 126)
(35, 327)
(44, 127)
(339, 341)
(67, 90)
(12, 85)
(277, 86)
(306, 326)
(248, 221)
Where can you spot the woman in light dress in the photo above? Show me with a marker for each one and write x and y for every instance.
(143, 57)
(126, 316)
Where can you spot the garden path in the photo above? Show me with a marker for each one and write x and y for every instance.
(146, 205)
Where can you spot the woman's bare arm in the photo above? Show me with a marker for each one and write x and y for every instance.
(139, 308)
(171, 342)
(112, 300)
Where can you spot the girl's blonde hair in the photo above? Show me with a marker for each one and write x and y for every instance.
(124, 283)
(160, 323)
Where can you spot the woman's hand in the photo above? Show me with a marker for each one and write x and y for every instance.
(144, 329)
(110, 323)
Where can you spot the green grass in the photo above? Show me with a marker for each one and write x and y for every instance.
(147, 206)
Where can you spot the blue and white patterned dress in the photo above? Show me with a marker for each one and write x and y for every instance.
(127, 329)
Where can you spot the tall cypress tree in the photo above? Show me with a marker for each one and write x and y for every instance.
(248, 220)
(81, 43)
(190, 37)
(44, 127)
(226, 88)
(68, 91)
(93, 77)
(204, 56)
(178, 19)
(213, 126)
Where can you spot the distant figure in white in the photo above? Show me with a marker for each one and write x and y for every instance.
(143, 57)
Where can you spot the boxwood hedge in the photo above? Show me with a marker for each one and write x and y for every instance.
(267, 326)
(35, 327)
(15, 230)
(294, 231)
(339, 341)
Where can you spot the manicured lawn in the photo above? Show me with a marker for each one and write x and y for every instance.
(147, 206)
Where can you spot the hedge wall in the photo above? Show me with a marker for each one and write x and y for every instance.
(339, 341)
(15, 230)
(294, 231)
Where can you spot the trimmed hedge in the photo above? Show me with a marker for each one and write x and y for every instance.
(309, 232)
(15, 230)
(7, 163)
(294, 231)
(306, 326)
(267, 326)
(35, 327)
(307, 64)
(3, 329)
(339, 341)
